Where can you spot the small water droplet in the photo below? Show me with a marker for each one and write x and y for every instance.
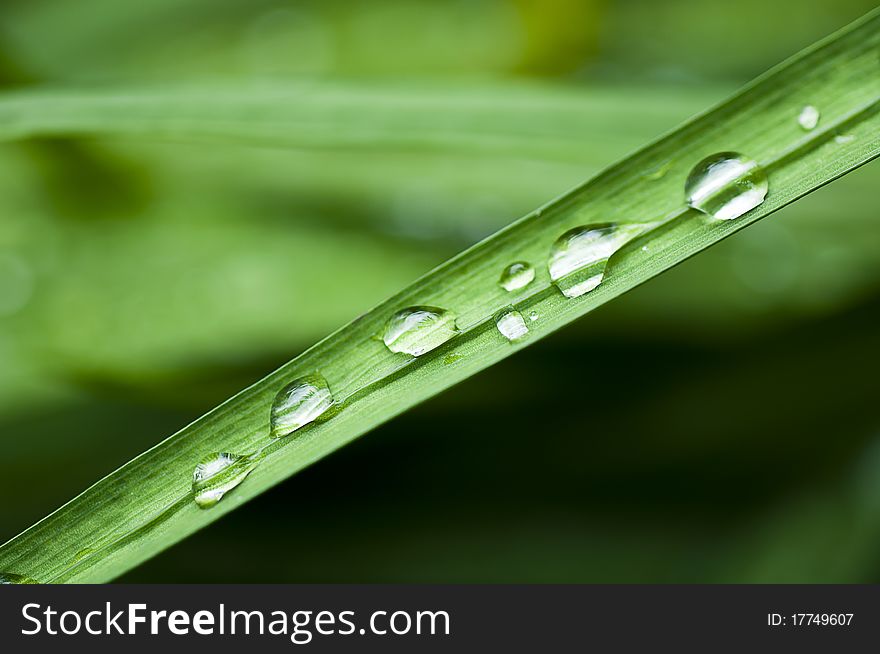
(416, 330)
(300, 402)
(511, 324)
(11, 578)
(516, 276)
(644, 248)
(452, 358)
(726, 185)
(578, 257)
(217, 474)
(809, 117)
(658, 172)
(842, 139)
(533, 316)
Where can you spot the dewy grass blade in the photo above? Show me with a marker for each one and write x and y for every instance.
(620, 229)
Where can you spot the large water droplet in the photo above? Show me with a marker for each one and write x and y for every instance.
(516, 276)
(300, 402)
(809, 117)
(416, 330)
(578, 257)
(217, 474)
(726, 185)
(511, 324)
(11, 578)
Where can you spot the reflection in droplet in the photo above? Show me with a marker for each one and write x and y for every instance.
(516, 276)
(419, 329)
(726, 185)
(578, 258)
(511, 324)
(300, 402)
(217, 474)
(809, 117)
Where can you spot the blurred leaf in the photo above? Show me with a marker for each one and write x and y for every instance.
(226, 214)
(525, 120)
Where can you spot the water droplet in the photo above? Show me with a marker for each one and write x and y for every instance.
(11, 578)
(644, 248)
(217, 474)
(809, 117)
(578, 257)
(511, 324)
(842, 139)
(300, 402)
(516, 276)
(658, 172)
(533, 316)
(416, 330)
(726, 185)
(452, 358)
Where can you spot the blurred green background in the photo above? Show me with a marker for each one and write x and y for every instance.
(144, 281)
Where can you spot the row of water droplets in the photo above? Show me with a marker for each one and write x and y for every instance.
(298, 404)
(723, 186)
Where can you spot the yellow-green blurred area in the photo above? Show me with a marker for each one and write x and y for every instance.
(715, 425)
